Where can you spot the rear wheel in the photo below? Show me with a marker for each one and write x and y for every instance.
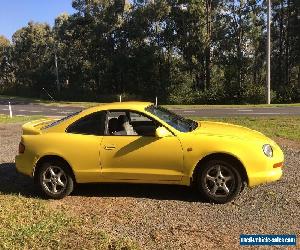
(55, 180)
(218, 181)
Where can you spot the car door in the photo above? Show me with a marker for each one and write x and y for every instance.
(84, 138)
(141, 157)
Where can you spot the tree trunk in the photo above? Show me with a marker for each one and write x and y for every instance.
(279, 72)
(287, 48)
(208, 44)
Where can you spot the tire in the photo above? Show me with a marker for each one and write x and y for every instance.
(55, 180)
(218, 181)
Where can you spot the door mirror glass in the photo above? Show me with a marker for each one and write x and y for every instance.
(162, 132)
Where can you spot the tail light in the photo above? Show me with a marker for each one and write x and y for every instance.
(21, 148)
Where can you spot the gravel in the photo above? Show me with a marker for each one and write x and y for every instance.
(170, 217)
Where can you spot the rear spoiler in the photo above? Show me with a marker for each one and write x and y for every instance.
(34, 127)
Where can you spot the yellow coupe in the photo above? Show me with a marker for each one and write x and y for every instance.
(138, 142)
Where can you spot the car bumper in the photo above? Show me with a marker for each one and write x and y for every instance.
(24, 165)
(265, 169)
(265, 177)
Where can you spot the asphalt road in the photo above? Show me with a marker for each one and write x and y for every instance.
(24, 109)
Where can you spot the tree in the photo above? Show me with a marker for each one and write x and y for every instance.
(198, 51)
(33, 58)
(7, 77)
(4, 46)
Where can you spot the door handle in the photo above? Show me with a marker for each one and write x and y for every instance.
(109, 147)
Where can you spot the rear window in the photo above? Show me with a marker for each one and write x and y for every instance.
(93, 124)
(61, 120)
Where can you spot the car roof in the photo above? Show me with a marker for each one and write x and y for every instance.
(139, 106)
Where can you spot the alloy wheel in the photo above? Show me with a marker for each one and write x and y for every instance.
(219, 181)
(54, 180)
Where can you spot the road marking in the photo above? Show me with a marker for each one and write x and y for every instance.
(22, 110)
(269, 113)
(189, 111)
(5, 109)
(65, 112)
(35, 111)
(245, 110)
(53, 109)
(20, 115)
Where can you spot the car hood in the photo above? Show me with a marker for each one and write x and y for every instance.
(229, 130)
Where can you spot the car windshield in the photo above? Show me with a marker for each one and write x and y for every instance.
(61, 120)
(176, 121)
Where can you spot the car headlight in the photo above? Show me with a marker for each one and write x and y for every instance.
(268, 151)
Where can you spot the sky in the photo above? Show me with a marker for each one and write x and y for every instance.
(15, 14)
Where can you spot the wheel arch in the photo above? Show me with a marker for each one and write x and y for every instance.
(236, 162)
(51, 157)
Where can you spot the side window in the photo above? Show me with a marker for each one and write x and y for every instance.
(116, 121)
(126, 122)
(115, 114)
(138, 117)
(92, 124)
(143, 125)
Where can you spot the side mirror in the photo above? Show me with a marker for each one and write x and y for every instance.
(162, 132)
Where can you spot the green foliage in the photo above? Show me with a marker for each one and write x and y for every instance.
(253, 93)
(198, 51)
(215, 94)
(7, 77)
(32, 55)
(4, 45)
(181, 89)
(288, 94)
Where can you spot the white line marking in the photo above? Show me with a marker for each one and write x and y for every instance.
(53, 109)
(189, 111)
(5, 109)
(245, 110)
(22, 110)
(65, 112)
(269, 113)
(35, 111)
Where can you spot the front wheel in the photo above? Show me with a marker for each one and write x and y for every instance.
(218, 181)
(55, 180)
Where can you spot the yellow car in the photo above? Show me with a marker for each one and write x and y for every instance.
(138, 142)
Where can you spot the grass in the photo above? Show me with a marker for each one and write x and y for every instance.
(49, 102)
(15, 119)
(284, 126)
(29, 223)
(232, 106)
(90, 104)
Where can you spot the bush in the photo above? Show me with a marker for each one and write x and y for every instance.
(181, 91)
(182, 94)
(215, 94)
(253, 93)
(288, 94)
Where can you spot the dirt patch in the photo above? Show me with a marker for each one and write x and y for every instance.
(295, 145)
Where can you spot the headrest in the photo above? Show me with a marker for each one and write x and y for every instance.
(122, 119)
(113, 125)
